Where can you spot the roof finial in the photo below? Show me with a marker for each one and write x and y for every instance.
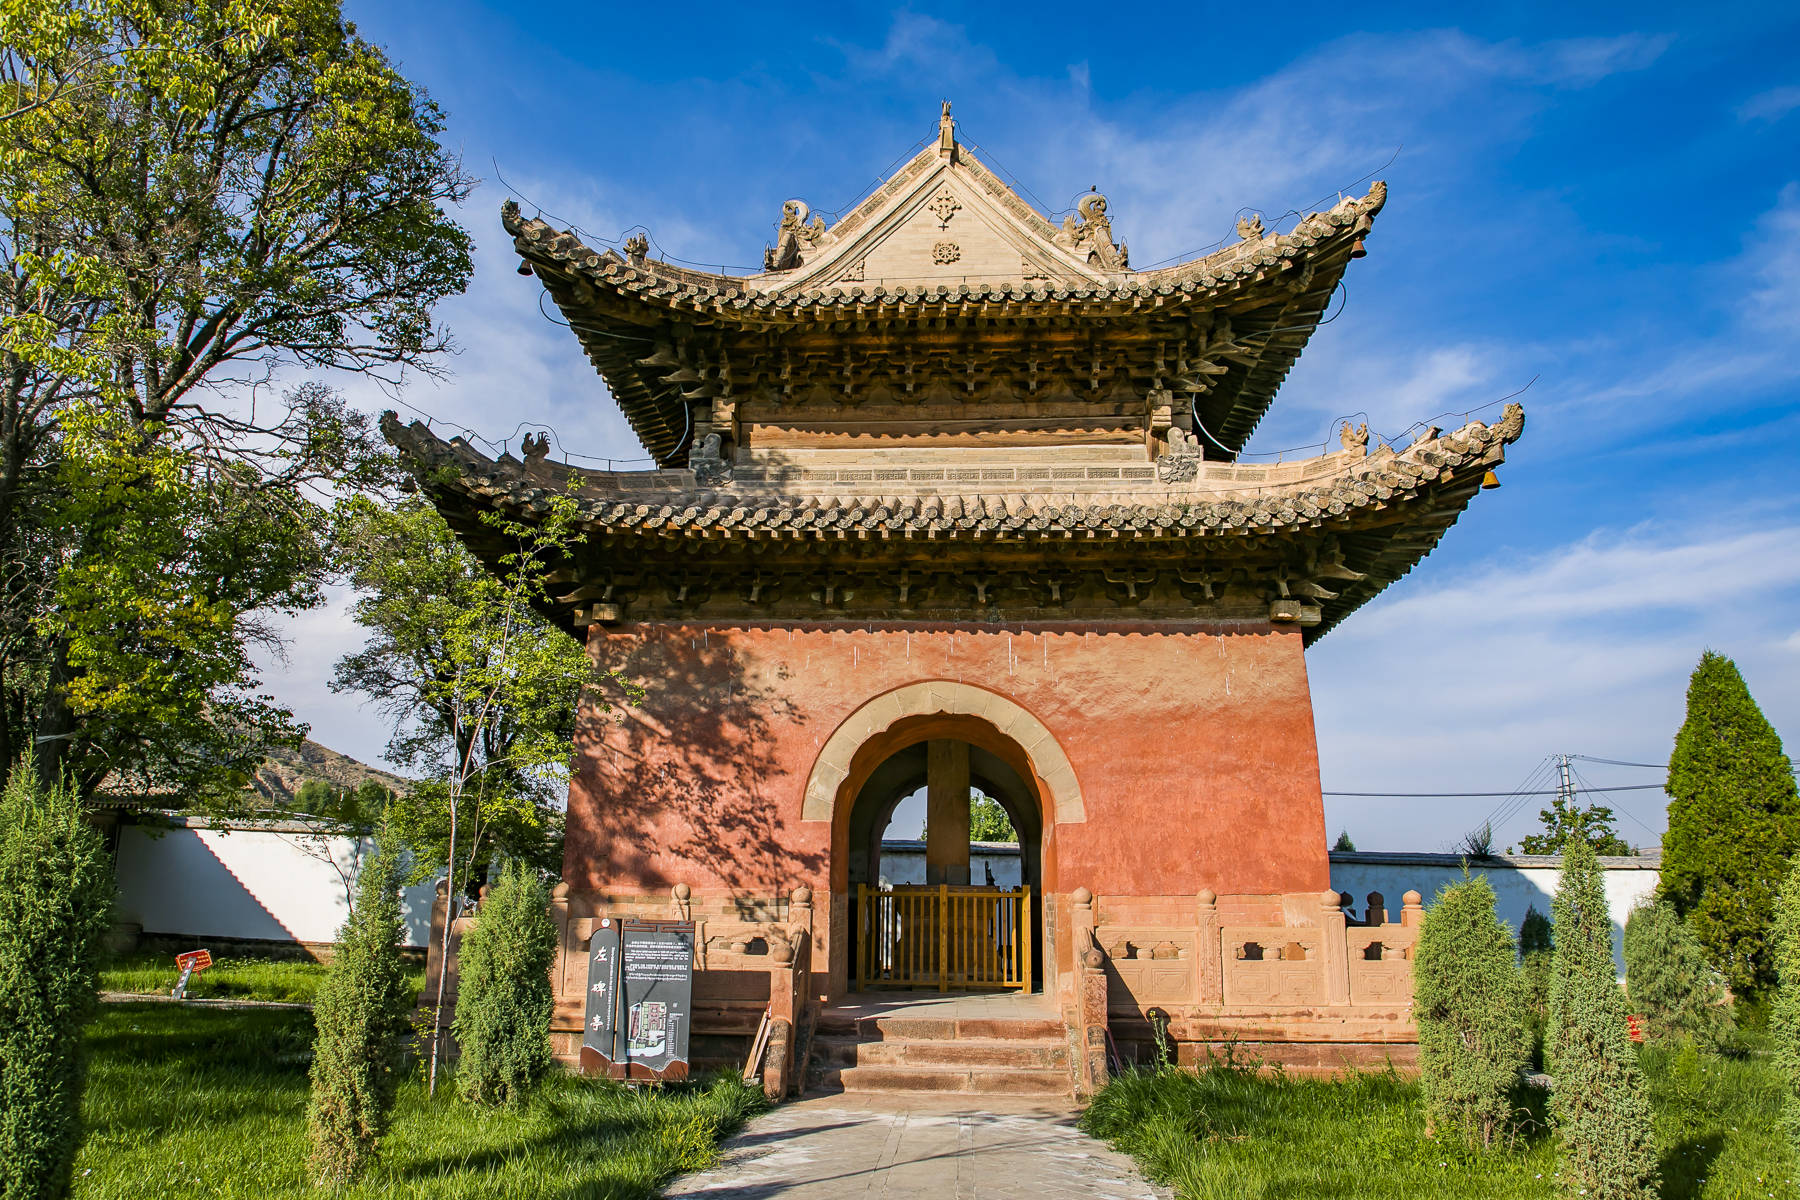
(946, 133)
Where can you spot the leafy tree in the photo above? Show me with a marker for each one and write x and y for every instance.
(195, 199)
(988, 821)
(331, 811)
(358, 810)
(1734, 821)
(1669, 979)
(56, 892)
(1466, 999)
(1784, 1016)
(1564, 817)
(503, 1003)
(443, 631)
(1343, 842)
(482, 690)
(361, 1015)
(133, 657)
(1600, 1105)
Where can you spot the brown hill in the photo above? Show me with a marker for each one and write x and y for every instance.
(284, 771)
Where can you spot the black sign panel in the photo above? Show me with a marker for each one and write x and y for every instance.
(602, 1049)
(657, 1001)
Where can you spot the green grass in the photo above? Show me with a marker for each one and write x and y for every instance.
(1233, 1132)
(1716, 1123)
(211, 1103)
(229, 978)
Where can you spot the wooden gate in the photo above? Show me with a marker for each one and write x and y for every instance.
(943, 937)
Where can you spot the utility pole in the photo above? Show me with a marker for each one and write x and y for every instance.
(1565, 794)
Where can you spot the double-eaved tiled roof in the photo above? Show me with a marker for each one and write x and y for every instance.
(1386, 509)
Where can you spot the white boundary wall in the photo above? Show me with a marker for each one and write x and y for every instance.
(278, 882)
(903, 862)
(1520, 881)
(273, 882)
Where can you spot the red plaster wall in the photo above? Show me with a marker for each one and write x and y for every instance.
(1194, 748)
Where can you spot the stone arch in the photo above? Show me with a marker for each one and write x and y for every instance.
(1048, 762)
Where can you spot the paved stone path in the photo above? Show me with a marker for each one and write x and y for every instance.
(891, 1147)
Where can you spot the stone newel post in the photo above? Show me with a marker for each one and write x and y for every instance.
(800, 910)
(1090, 997)
(790, 963)
(1209, 965)
(568, 954)
(1333, 950)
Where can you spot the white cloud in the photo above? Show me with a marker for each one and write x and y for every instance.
(1465, 683)
(1581, 62)
(1608, 575)
(919, 44)
(1771, 105)
(1449, 680)
(1773, 257)
(1392, 390)
(1718, 364)
(316, 640)
(1180, 172)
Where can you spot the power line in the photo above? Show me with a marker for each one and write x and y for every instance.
(1627, 787)
(1582, 785)
(1613, 762)
(1509, 808)
(1505, 811)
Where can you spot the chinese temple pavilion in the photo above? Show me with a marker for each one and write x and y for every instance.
(947, 497)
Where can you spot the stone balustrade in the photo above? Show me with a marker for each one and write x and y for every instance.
(1297, 979)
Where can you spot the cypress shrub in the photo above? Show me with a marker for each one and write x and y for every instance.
(1534, 971)
(56, 894)
(1669, 979)
(1784, 1017)
(1467, 1001)
(1734, 820)
(503, 1000)
(359, 1051)
(1600, 1105)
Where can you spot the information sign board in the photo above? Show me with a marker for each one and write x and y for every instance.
(188, 963)
(601, 1050)
(657, 999)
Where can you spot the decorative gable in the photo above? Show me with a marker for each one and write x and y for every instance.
(942, 219)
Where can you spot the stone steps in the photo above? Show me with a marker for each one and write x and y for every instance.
(918, 1029)
(980, 1081)
(935, 1053)
(1013, 1057)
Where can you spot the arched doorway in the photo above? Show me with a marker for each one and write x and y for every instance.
(910, 890)
(883, 752)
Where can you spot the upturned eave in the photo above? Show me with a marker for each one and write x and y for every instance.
(1263, 296)
(1327, 535)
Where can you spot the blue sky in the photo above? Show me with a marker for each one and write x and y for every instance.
(1607, 201)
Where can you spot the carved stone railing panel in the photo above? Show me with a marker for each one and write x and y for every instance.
(1146, 966)
(1274, 965)
(1381, 964)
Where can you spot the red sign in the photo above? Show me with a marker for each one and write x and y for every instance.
(1634, 1028)
(194, 960)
